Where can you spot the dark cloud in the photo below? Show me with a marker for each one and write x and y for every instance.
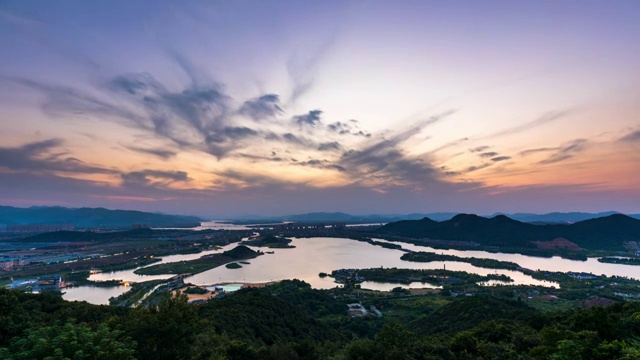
(350, 127)
(488, 154)
(479, 149)
(45, 157)
(266, 106)
(566, 152)
(384, 160)
(289, 137)
(477, 167)
(328, 146)
(312, 118)
(538, 150)
(500, 158)
(256, 158)
(146, 177)
(631, 137)
(133, 84)
(321, 164)
(161, 153)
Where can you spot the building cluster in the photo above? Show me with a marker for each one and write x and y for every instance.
(317, 227)
(582, 275)
(13, 263)
(347, 276)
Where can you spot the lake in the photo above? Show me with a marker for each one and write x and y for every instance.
(314, 255)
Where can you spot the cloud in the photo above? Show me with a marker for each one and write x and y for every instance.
(63, 100)
(303, 66)
(321, 164)
(500, 158)
(544, 119)
(45, 157)
(312, 118)
(161, 153)
(448, 145)
(488, 154)
(266, 106)
(566, 152)
(385, 162)
(631, 137)
(477, 167)
(350, 127)
(328, 146)
(538, 150)
(479, 149)
(149, 177)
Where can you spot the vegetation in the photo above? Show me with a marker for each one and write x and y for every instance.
(620, 260)
(202, 264)
(407, 276)
(606, 233)
(483, 263)
(195, 290)
(270, 241)
(233, 265)
(290, 320)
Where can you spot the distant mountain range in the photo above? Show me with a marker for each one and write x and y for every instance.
(605, 233)
(328, 217)
(91, 217)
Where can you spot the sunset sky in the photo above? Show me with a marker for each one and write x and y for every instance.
(278, 107)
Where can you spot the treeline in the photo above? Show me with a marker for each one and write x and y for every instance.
(478, 262)
(292, 321)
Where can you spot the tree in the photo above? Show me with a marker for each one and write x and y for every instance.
(70, 341)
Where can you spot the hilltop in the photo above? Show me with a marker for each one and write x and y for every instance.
(605, 233)
(91, 217)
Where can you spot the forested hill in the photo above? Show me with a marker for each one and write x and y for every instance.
(91, 217)
(606, 233)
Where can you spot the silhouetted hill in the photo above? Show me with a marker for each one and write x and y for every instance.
(334, 217)
(568, 217)
(607, 233)
(240, 252)
(91, 217)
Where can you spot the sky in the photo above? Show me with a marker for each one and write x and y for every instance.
(235, 108)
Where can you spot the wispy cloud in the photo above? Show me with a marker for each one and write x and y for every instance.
(46, 157)
(500, 158)
(567, 151)
(488, 154)
(161, 153)
(542, 120)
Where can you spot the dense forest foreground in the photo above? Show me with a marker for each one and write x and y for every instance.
(290, 320)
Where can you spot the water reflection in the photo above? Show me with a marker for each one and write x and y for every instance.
(556, 263)
(93, 294)
(314, 255)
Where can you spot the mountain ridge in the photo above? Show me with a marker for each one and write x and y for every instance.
(606, 233)
(91, 217)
